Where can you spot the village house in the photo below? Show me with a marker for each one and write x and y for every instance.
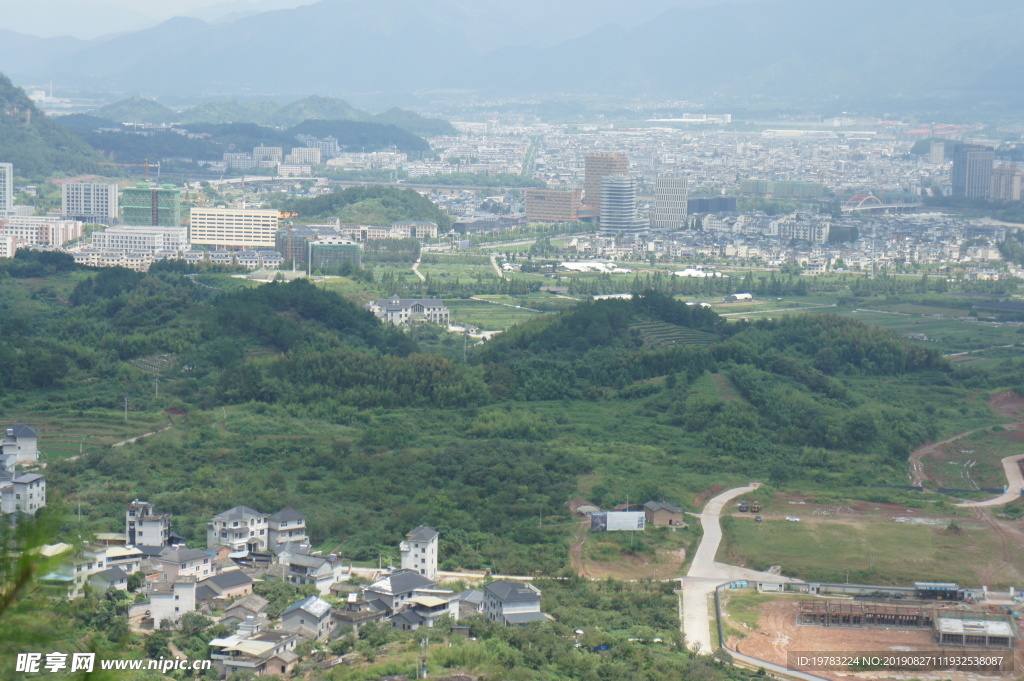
(172, 598)
(181, 562)
(22, 442)
(419, 551)
(241, 528)
(664, 514)
(287, 525)
(310, 618)
(508, 602)
(356, 613)
(316, 570)
(252, 606)
(259, 653)
(394, 591)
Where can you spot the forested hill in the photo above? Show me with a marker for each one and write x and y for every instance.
(318, 399)
(38, 147)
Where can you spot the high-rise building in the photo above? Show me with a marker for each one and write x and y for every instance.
(972, 170)
(94, 202)
(232, 228)
(596, 168)
(670, 207)
(618, 204)
(937, 152)
(6, 188)
(1006, 184)
(553, 205)
(151, 205)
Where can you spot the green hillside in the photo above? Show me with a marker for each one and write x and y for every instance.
(137, 110)
(35, 144)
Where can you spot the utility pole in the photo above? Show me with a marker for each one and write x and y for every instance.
(156, 388)
(126, 408)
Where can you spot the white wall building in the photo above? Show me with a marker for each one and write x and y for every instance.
(136, 238)
(419, 551)
(40, 230)
(232, 228)
(670, 208)
(89, 201)
(6, 188)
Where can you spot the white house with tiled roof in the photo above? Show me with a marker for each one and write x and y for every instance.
(241, 528)
(401, 311)
(419, 551)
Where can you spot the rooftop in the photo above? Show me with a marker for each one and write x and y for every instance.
(314, 605)
(422, 533)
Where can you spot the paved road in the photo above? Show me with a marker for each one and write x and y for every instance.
(705, 573)
(1015, 480)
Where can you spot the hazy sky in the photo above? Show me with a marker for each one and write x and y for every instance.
(93, 18)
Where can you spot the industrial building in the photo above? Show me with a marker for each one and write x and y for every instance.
(148, 204)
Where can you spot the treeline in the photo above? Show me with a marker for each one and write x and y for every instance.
(391, 250)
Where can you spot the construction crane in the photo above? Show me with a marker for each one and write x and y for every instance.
(147, 165)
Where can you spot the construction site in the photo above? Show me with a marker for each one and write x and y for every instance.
(789, 624)
(827, 613)
(148, 204)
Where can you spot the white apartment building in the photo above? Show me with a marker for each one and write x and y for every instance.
(136, 238)
(8, 246)
(670, 197)
(132, 260)
(94, 202)
(273, 154)
(232, 228)
(304, 156)
(40, 230)
(6, 188)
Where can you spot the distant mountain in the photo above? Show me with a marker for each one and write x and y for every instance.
(137, 110)
(414, 123)
(312, 108)
(316, 108)
(878, 50)
(38, 147)
(230, 112)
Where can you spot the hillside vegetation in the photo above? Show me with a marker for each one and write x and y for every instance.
(38, 147)
(295, 397)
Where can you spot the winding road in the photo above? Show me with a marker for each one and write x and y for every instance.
(1014, 481)
(705, 573)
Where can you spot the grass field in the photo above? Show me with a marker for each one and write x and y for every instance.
(873, 551)
(486, 315)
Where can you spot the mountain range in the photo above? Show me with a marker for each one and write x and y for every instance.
(798, 49)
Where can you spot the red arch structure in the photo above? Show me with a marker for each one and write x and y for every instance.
(862, 202)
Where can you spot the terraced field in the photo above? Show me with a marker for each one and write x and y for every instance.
(660, 334)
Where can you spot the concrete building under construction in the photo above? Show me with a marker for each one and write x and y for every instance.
(151, 205)
(975, 630)
(852, 614)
